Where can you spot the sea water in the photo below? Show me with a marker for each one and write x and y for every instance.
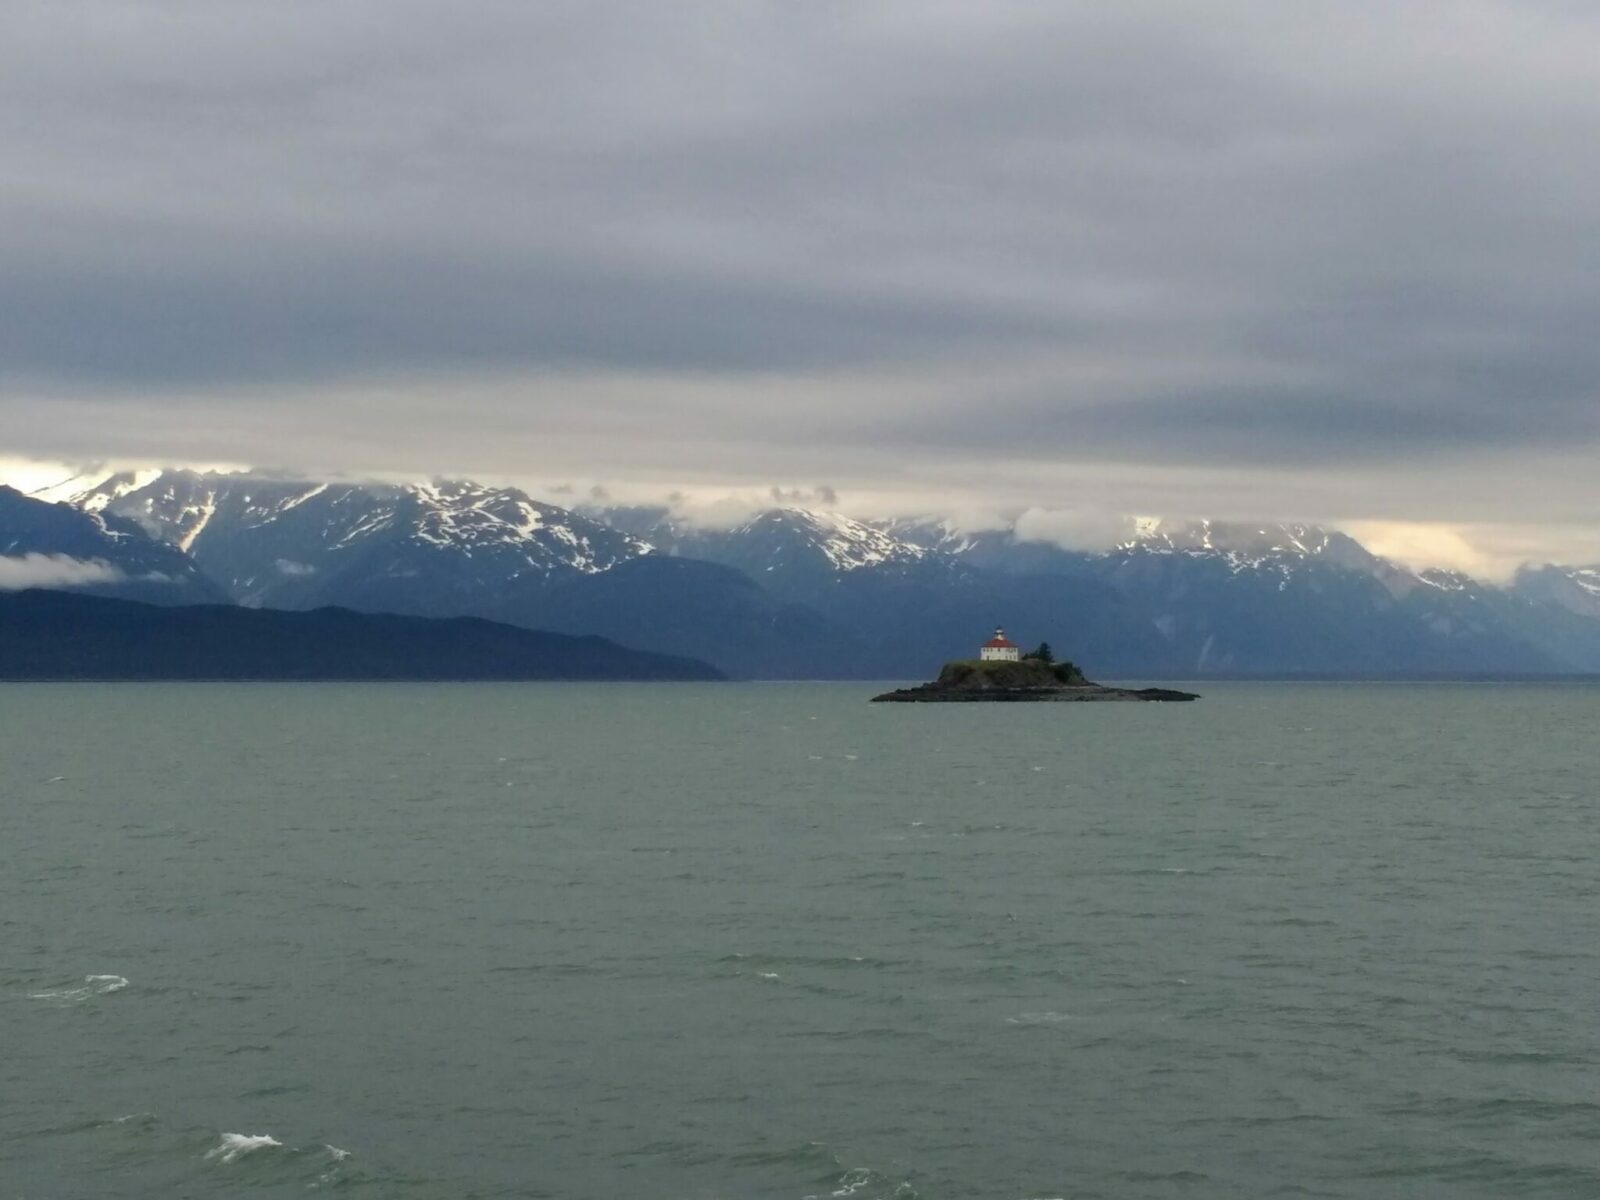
(752, 941)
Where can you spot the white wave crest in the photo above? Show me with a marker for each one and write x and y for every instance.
(235, 1145)
(93, 985)
(1039, 1018)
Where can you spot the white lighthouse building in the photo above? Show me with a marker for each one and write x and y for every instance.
(999, 649)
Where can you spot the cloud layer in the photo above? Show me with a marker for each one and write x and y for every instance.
(1324, 260)
(53, 571)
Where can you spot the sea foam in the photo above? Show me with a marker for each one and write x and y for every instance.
(93, 985)
(235, 1145)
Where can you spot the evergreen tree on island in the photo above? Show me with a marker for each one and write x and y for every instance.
(1042, 654)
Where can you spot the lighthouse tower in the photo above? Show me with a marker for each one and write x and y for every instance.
(999, 649)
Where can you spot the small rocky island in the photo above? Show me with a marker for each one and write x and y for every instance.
(1003, 673)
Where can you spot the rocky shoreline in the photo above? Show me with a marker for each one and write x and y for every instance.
(932, 693)
(1029, 680)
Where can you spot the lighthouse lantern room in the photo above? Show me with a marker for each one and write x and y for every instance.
(999, 649)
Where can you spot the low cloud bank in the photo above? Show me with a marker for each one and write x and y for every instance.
(54, 571)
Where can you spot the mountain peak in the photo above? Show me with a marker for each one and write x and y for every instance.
(94, 551)
(92, 491)
(845, 543)
(1252, 539)
(1576, 589)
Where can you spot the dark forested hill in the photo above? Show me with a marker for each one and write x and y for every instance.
(63, 635)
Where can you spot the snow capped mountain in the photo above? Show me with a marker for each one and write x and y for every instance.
(93, 491)
(783, 535)
(1270, 550)
(1575, 589)
(421, 547)
(536, 537)
(59, 546)
(1268, 597)
(1240, 539)
(940, 535)
(793, 591)
(1275, 548)
(1278, 550)
(1449, 581)
(785, 548)
(1215, 596)
(1002, 549)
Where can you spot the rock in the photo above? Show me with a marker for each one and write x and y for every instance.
(1026, 681)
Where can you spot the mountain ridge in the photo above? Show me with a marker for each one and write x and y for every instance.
(803, 592)
(126, 563)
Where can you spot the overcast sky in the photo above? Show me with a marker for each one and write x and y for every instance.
(1335, 261)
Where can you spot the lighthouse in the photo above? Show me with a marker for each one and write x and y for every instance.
(999, 649)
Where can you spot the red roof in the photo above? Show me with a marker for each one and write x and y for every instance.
(999, 643)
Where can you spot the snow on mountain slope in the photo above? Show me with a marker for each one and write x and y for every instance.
(1211, 596)
(1449, 581)
(999, 549)
(437, 546)
(546, 539)
(776, 542)
(1279, 550)
(843, 543)
(1575, 589)
(1245, 546)
(1205, 595)
(93, 491)
(940, 535)
(120, 559)
(1271, 597)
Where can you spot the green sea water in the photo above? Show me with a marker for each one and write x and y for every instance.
(770, 941)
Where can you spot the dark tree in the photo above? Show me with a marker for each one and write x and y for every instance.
(1068, 673)
(1042, 654)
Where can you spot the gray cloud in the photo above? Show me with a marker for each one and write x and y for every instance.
(1242, 252)
(821, 496)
